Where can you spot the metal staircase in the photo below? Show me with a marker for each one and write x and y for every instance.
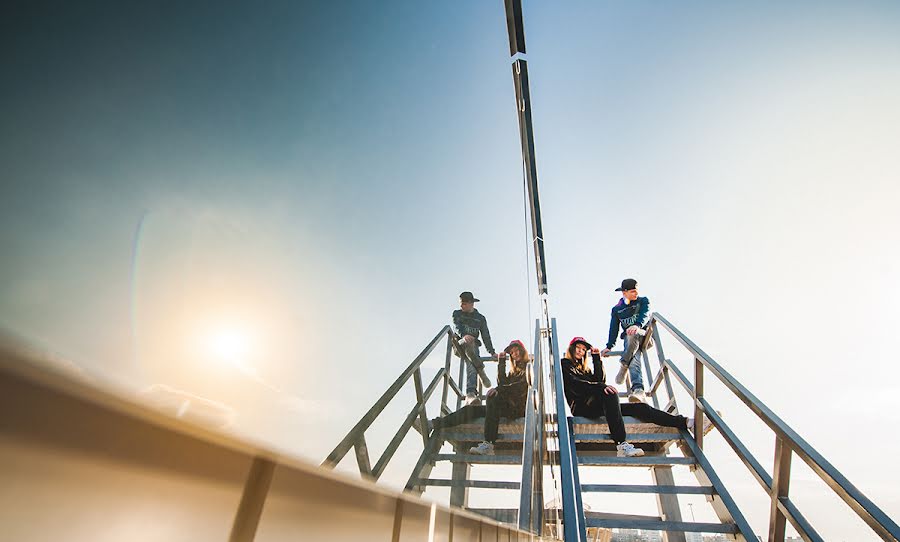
(548, 441)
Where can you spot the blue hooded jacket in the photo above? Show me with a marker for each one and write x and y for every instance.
(632, 314)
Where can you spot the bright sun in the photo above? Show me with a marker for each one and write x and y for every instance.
(230, 344)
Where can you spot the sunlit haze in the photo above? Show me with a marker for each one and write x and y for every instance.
(275, 207)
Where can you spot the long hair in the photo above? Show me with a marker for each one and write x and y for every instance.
(518, 368)
(582, 365)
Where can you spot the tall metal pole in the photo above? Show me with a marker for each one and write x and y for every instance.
(573, 528)
(516, 31)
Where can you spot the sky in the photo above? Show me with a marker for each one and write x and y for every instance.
(314, 184)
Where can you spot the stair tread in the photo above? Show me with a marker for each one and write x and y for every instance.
(487, 459)
(590, 460)
(636, 488)
(634, 461)
(483, 484)
(662, 525)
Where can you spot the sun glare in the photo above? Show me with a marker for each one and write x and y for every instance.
(228, 344)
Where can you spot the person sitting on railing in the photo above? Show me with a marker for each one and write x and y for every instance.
(506, 400)
(469, 324)
(630, 313)
(589, 396)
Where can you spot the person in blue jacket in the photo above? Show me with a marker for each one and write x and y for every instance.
(629, 315)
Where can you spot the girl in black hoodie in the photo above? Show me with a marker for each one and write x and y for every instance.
(506, 400)
(590, 397)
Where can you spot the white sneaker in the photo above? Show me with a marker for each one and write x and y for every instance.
(486, 448)
(707, 423)
(637, 396)
(626, 449)
(472, 399)
(620, 376)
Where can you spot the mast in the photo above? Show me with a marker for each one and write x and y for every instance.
(516, 30)
(573, 518)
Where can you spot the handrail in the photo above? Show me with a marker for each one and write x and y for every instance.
(357, 433)
(530, 492)
(787, 442)
(196, 479)
(573, 513)
(526, 486)
(531, 499)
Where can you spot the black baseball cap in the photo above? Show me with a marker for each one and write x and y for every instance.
(627, 284)
(468, 297)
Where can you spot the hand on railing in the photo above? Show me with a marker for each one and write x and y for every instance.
(636, 330)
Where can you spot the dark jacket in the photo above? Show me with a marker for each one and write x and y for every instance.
(512, 389)
(578, 385)
(473, 323)
(625, 316)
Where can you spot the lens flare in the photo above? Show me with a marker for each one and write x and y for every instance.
(228, 344)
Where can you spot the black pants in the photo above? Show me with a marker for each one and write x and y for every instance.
(496, 407)
(603, 404)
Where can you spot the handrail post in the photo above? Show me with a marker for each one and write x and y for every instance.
(698, 394)
(537, 505)
(362, 455)
(781, 481)
(661, 355)
(526, 488)
(459, 381)
(420, 402)
(649, 376)
(446, 391)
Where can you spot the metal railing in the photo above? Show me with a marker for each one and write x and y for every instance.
(787, 442)
(531, 500)
(356, 438)
(571, 504)
(531, 512)
(84, 459)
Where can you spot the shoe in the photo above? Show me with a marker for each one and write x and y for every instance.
(485, 448)
(485, 381)
(472, 399)
(626, 449)
(417, 424)
(707, 424)
(620, 376)
(636, 396)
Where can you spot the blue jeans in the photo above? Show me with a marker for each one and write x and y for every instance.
(632, 358)
(474, 356)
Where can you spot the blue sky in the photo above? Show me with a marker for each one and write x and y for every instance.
(328, 178)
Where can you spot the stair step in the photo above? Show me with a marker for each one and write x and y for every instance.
(632, 425)
(654, 525)
(484, 484)
(459, 436)
(585, 429)
(667, 490)
(646, 461)
(484, 459)
(586, 460)
(632, 437)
